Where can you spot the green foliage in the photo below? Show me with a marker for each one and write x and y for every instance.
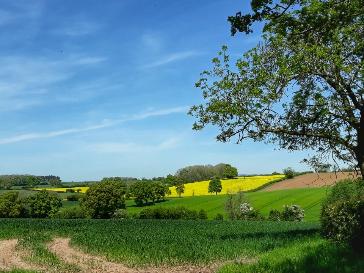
(147, 191)
(232, 205)
(74, 197)
(292, 213)
(215, 185)
(43, 204)
(289, 173)
(230, 172)
(180, 189)
(275, 215)
(342, 215)
(219, 217)
(202, 214)
(205, 172)
(11, 206)
(308, 65)
(74, 212)
(103, 199)
(28, 181)
(171, 213)
(70, 190)
(121, 214)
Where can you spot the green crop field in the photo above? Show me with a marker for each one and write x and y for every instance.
(309, 199)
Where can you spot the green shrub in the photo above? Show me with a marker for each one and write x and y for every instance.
(70, 190)
(342, 215)
(11, 206)
(219, 217)
(289, 173)
(71, 213)
(168, 213)
(103, 199)
(74, 197)
(293, 213)
(43, 204)
(202, 214)
(121, 214)
(275, 215)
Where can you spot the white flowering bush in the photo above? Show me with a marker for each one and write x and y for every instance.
(293, 213)
(247, 212)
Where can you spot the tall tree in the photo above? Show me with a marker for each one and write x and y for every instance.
(215, 185)
(302, 87)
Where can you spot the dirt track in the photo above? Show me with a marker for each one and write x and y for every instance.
(310, 180)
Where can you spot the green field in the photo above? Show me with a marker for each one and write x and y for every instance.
(268, 246)
(309, 199)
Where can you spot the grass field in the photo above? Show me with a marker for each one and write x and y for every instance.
(309, 199)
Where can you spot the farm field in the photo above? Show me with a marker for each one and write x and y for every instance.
(308, 199)
(245, 183)
(170, 246)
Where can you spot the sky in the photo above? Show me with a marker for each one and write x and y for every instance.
(91, 89)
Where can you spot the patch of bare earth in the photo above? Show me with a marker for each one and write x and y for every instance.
(310, 180)
(96, 264)
(11, 257)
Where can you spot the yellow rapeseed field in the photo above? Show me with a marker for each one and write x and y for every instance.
(82, 189)
(228, 185)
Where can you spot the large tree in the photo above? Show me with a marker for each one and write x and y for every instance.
(301, 87)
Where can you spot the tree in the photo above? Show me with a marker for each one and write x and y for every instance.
(230, 172)
(289, 172)
(302, 87)
(145, 191)
(43, 204)
(11, 206)
(180, 188)
(102, 199)
(215, 185)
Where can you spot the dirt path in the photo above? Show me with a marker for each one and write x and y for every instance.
(96, 264)
(310, 180)
(11, 257)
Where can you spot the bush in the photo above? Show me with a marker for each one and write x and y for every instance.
(275, 215)
(202, 214)
(11, 206)
(342, 215)
(43, 204)
(71, 213)
(247, 212)
(293, 213)
(168, 213)
(70, 190)
(219, 217)
(103, 199)
(74, 197)
(121, 214)
(289, 173)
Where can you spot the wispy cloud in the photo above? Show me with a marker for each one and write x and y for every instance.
(25, 80)
(174, 57)
(132, 147)
(103, 124)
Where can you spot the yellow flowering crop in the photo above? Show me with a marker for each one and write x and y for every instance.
(228, 185)
(83, 189)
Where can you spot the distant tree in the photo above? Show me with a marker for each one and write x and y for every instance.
(101, 200)
(43, 204)
(289, 172)
(215, 185)
(145, 191)
(11, 206)
(180, 188)
(230, 172)
(113, 179)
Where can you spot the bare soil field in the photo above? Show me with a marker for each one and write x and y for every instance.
(310, 180)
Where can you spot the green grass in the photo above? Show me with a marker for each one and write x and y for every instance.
(145, 242)
(309, 199)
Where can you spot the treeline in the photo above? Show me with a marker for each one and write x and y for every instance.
(206, 172)
(9, 181)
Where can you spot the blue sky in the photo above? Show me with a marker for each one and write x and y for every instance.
(90, 89)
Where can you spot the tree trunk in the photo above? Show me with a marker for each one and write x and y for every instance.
(360, 152)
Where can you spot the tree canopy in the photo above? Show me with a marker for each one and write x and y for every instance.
(300, 88)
